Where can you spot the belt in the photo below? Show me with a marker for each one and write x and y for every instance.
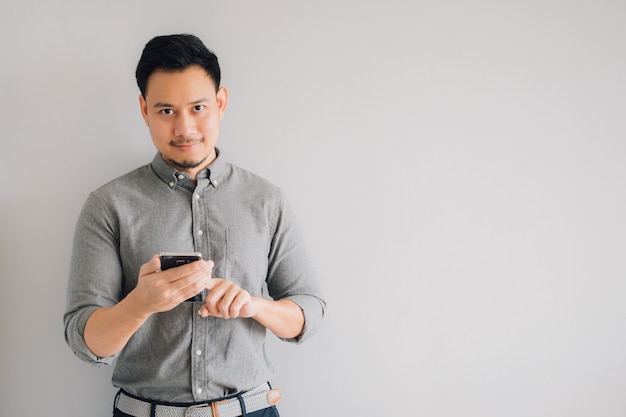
(254, 400)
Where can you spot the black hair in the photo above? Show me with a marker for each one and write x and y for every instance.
(175, 53)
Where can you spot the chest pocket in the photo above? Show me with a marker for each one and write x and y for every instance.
(246, 258)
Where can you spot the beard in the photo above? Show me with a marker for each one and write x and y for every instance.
(187, 163)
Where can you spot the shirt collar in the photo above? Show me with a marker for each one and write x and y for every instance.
(171, 176)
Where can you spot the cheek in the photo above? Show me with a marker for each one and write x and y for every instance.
(211, 123)
(158, 128)
(160, 133)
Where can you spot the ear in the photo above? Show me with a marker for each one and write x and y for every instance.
(222, 100)
(143, 106)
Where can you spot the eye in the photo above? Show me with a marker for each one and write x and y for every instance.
(167, 112)
(198, 107)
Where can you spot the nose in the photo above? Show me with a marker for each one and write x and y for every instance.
(185, 125)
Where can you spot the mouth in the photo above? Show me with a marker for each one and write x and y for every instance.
(186, 146)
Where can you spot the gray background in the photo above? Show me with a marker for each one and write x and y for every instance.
(457, 167)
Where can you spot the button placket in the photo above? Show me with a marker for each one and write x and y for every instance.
(200, 236)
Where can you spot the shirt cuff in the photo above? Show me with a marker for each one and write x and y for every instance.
(76, 340)
(313, 310)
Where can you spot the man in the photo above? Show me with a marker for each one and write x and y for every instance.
(177, 353)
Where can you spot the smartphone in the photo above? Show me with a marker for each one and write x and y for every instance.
(174, 259)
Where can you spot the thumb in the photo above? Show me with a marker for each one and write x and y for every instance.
(153, 265)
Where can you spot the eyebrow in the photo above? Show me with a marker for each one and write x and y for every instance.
(161, 104)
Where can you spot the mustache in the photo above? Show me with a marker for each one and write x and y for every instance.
(185, 141)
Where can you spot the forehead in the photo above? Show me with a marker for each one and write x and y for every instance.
(193, 80)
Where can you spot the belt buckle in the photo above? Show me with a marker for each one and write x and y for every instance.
(190, 409)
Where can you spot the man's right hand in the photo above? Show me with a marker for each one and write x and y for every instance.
(108, 329)
(158, 291)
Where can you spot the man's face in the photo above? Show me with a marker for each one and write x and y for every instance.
(183, 112)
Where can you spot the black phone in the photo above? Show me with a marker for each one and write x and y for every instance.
(174, 259)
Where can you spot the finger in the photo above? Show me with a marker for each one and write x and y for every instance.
(241, 303)
(213, 283)
(185, 271)
(204, 311)
(194, 283)
(226, 300)
(215, 294)
(216, 289)
(153, 265)
(226, 305)
(209, 310)
(238, 304)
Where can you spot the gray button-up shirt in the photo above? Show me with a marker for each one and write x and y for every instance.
(237, 219)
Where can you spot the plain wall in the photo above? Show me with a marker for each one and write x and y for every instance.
(457, 166)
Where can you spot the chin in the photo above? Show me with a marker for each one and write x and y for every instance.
(189, 163)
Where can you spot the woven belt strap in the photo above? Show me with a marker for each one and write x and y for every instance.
(254, 400)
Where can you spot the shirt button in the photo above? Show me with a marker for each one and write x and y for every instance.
(200, 232)
(199, 390)
(171, 184)
(198, 352)
(215, 183)
(181, 176)
(197, 196)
